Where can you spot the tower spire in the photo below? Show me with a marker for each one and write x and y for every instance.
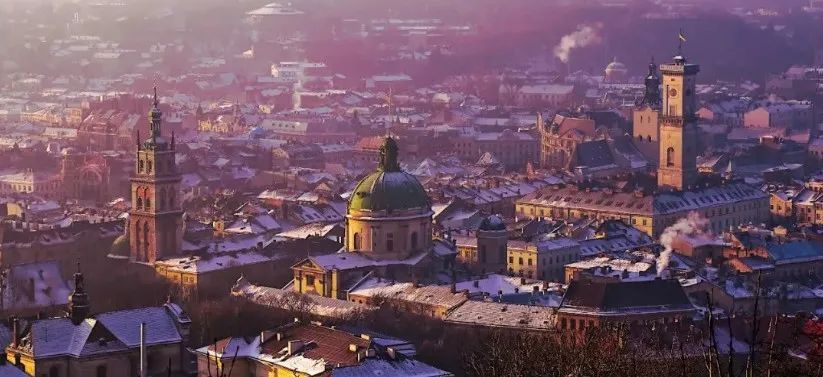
(652, 96)
(388, 155)
(155, 118)
(79, 300)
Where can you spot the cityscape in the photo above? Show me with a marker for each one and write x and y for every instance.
(429, 188)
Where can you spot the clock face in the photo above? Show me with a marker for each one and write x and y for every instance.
(672, 92)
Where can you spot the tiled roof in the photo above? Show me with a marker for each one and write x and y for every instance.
(628, 296)
(324, 351)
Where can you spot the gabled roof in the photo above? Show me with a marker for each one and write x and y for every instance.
(107, 332)
(594, 153)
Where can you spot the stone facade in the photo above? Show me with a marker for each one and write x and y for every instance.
(677, 168)
(155, 220)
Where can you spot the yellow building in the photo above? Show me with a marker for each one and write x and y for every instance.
(677, 168)
(388, 231)
(543, 259)
(724, 206)
(46, 185)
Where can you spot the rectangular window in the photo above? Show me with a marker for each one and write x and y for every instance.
(309, 279)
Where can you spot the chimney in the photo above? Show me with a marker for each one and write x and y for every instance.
(352, 347)
(477, 283)
(279, 336)
(453, 288)
(294, 346)
(143, 366)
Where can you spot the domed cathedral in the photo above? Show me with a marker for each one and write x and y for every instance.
(155, 224)
(616, 72)
(389, 213)
(86, 176)
(388, 235)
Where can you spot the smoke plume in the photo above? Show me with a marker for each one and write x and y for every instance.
(585, 35)
(691, 225)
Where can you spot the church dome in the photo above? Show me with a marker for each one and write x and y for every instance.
(389, 188)
(616, 67)
(120, 247)
(493, 222)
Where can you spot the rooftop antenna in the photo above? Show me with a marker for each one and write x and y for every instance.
(392, 111)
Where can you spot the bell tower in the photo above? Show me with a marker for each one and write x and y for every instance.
(677, 168)
(155, 219)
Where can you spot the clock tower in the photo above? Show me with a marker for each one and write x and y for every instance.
(677, 168)
(155, 219)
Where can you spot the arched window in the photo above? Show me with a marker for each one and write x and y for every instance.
(161, 199)
(140, 166)
(171, 201)
(54, 371)
(139, 203)
(649, 138)
(356, 241)
(148, 166)
(145, 237)
(102, 371)
(148, 204)
(670, 156)
(414, 241)
(389, 242)
(640, 137)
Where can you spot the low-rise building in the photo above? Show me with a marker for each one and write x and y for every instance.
(543, 259)
(594, 302)
(106, 344)
(310, 349)
(782, 114)
(724, 206)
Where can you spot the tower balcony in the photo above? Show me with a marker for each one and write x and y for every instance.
(677, 121)
(672, 120)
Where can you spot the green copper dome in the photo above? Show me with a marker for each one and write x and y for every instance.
(120, 247)
(389, 188)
